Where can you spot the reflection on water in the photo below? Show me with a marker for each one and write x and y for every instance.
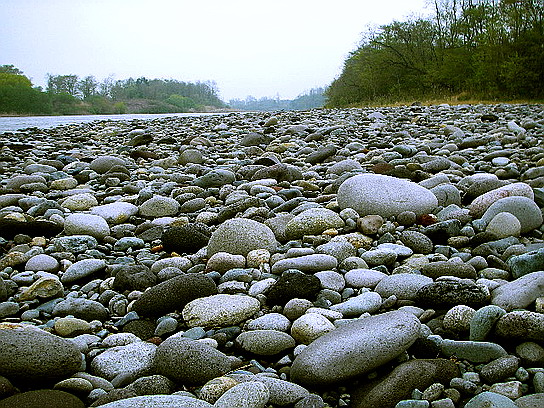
(10, 124)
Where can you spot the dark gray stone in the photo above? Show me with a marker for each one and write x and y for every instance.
(174, 294)
(29, 354)
(81, 308)
(399, 384)
(293, 284)
(355, 348)
(188, 238)
(134, 277)
(445, 294)
(42, 399)
(187, 361)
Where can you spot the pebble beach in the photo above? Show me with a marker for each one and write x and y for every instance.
(375, 257)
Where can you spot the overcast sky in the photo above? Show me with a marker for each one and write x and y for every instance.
(249, 47)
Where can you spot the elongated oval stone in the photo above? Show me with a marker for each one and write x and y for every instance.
(355, 348)
(384, 195)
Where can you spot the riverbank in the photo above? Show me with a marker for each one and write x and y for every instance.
(327, 258)
(15, 123)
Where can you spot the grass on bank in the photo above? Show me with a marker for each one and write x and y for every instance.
(461, 99)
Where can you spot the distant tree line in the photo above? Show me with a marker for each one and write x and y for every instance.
(314, 98)
(483, 49)
(69, 94)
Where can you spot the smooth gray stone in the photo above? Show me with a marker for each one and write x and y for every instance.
(158, 401)
(520, 293)
(252, 394)
(526, 263)
(185, 360)
(473, 351)
(30, 354)
(265, 342)
(525, 210)
(483, 321)
(82, 269)
(376, 194)
(240, 236)
(306, 263)
(355, 348)
(490, 400)
(402, 285)
(134, 359)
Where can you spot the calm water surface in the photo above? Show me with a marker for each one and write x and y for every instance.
(11, 124)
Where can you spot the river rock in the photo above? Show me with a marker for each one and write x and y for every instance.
(490, 400)
(135, 358)
(252, 394)
(293, 284)
(82, 308)
(75, 243)
(133, 277)
(402, 285)
(42, 262)
(35, 355)
(310, 326)
(186, 238)
(188, 361)
(460, 270)
(3, 290)
(521, 324)
(42, 398)
(240, 236)
(504, 225)
(282, 393)
(173, 294)
(520, 293)
(384, 195)
(44, 288)
(480, 204)
(115, 213)
(190, 156)
(526, 263)
(366, 302)
(365, 278)
(86, 224)
(82, 269)
(265, 342)
(417, 241)
(399, 384)
(444, 294)
(483, 321)
(525, 210)
(473, 351)
(15, 183)
(530, 401)
(344, 166)
(159, 206)
(80, 202)
(306, 263)
(355, 348)
(103, 164)
(312, 222)
(499, 369)
(219, 310)
(215, 178)
(158, 401)
(270, 321)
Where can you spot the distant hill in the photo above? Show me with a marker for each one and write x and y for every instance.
(312, 99)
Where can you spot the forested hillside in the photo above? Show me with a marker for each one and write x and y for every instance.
(314, 98)
(482, 49)
(69, 94)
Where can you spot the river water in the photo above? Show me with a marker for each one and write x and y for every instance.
(11, 124)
